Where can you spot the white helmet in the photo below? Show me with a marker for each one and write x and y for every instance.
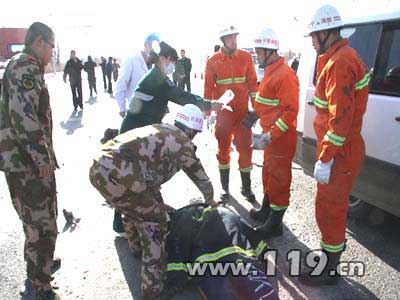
(228, 31)
(190, 116)
(326, 17)
(267, 39)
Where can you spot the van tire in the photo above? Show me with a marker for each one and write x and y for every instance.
(358, 209)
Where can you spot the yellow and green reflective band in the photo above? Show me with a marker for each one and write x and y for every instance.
(331, 248)
(271, 102)
(239, 79)
(320, 103)
(363, 82)
(337, 140)
(260, 247)
(253, 95)
(224, 81)
(209, 257)
(224, 167)
(177, 267)
(231, 80)
(277, 207)
(246, 170)
(282, 125)
(206, 210)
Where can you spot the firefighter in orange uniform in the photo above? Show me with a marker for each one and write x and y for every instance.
(340, 99)
(277, 105)
(232, 68)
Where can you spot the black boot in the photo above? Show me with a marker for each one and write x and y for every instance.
(273, 226)
(246, 187)
(261, 214)
(224, 174)
(329, 275)
(117, 223)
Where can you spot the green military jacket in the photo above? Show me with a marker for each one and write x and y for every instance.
(156, 152)
(25, 116)
(150, 100)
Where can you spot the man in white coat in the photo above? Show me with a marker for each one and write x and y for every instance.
(132, 70)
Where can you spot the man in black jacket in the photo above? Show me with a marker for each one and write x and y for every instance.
(89, 68)
(109, 69)
(187, 68)
(73, 69)
(103, 70)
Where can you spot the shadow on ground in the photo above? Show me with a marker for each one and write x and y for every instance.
(74, 122)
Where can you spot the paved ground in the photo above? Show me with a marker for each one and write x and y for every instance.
(98, 266)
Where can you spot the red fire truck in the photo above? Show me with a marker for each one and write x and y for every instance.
(11, 43)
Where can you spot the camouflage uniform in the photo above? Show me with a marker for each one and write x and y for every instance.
(129, 172)
(26, 144)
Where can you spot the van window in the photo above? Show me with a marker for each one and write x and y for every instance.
(365, 40)
(386, 79)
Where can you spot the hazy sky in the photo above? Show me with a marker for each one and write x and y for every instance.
(117, 28)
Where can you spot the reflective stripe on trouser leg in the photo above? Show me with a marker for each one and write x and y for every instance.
(242, 136)
(277, 176)
(277, 170)
(35, 201)
(223, 134)
(332, 200)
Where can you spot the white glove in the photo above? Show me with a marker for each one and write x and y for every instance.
(322, 171)
(261, 141)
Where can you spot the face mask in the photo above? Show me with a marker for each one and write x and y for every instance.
(170, 68)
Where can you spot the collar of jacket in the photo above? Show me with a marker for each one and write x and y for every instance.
(235, 53)
(272, 67)
(323, 58)
(31, 54)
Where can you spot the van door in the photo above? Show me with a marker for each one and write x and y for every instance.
(378, 45)
(364, 39)
(378, 183)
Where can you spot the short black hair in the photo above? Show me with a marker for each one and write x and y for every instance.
(167, 51)
(38, 29)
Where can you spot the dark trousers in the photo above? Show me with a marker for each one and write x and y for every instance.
(185, 81)
(104, 80)
(92, 86)
(76, 89)
(109, 84)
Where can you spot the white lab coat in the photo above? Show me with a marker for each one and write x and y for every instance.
(132, 70)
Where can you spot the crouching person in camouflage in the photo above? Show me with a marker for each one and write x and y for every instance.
(27, 156)
(129, 173)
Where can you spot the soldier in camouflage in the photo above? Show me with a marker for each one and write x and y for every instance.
(129, 172)
(27, 157)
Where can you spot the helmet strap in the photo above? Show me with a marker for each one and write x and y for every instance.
(188, 131)
(322, 43)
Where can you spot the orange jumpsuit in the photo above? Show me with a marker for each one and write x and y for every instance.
(277, 105)
(235, 72)
(340, 98)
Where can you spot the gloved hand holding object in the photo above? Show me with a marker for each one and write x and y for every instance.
(226, 98)
(260, 141)
(322, 171)
(250, 119)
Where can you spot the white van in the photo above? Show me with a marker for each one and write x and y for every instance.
(377, 40)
